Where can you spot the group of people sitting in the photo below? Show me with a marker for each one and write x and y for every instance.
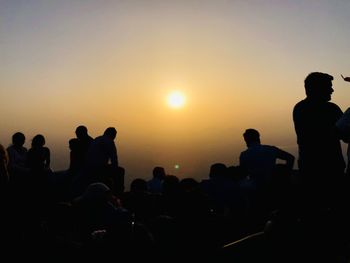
(86, 212)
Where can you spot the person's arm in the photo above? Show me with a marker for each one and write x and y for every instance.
(289, 158)
(48, 158)
(342, 126)
(345, 78)
(112, 152)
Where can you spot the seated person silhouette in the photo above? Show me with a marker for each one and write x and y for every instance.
(39, 155)
(101, 162)
(155, 184)
(17, 155)
(79, 147)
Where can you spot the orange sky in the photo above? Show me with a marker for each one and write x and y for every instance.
(241, 64)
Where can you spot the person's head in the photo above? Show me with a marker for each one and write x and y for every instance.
(138, 185)
(38, 141)
(159, 172)
(318, 86)
(18, 139)
(110, 132)
(251, 136)
(81, 131)
(73, 144)
(217, 170)
(170, 184)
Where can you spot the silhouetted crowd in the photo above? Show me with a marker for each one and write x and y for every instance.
(260, 210)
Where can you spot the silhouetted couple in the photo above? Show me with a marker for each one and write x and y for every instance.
(100, 161)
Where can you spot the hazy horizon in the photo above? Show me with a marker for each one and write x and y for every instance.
(240, 64)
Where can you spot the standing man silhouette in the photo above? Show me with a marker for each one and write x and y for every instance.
(321, 162)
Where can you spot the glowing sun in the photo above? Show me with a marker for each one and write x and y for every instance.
(176, 100)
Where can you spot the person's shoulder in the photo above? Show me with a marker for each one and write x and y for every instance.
(333, 105)
(269, 147)
(300, 105)
(10, 148)
(244, 153)
(335, 108)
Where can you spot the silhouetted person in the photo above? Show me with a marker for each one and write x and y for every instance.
(103, 151)
(75, 160)
(259, 160)
(39, 155)
(320, 155)
(79, 147)
(155, 184)
(101, 162)
(38, 187)
(17, 155)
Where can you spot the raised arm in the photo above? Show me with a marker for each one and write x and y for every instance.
(345, 78)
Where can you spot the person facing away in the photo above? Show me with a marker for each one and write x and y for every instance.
(39, 155)
(155, 184)
(79, 147)
(103, 151)
(320, 153)
(259, 161)
(17, 155)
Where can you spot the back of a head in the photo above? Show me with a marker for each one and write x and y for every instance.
(159, 172)
(81, 131)
(314, 81)
(170, 184)
(251, 136)
(217, 170)
(18, 139)
(110, 132)
(73, 144)
(38, 141)
(138, 185)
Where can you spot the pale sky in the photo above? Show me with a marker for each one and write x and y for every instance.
(240, 64)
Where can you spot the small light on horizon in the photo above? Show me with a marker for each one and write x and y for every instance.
(176, 166)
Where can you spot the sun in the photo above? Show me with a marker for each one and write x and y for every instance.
(176, 100)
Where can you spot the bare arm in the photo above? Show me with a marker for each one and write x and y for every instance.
(345, 78)
(289, 158)
(113, 154)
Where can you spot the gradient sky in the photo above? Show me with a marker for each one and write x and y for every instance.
(107, 63)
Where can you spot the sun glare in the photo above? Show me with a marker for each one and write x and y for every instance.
(176, 100)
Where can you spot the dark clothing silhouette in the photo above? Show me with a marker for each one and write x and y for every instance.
(79, 148)
(318, 138)
(39, 158)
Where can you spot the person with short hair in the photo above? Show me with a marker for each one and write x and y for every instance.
(320, 154)
(259, 161)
